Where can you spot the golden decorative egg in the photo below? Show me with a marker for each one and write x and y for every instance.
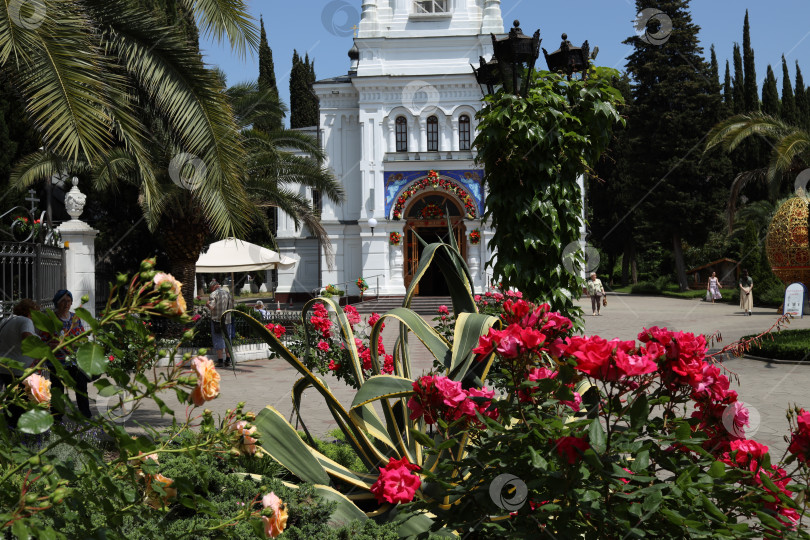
(786, 245)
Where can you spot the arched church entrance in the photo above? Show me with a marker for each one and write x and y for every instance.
(427, 217)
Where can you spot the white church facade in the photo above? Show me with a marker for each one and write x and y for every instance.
(397, 130)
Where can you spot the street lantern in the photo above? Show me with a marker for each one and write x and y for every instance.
(372, 223)
(569, 59)
(516, 55)
(487, 75)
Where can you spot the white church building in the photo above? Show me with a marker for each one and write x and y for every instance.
(397, 130)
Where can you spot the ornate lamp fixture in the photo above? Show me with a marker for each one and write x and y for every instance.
(569, 59)
(512, 64)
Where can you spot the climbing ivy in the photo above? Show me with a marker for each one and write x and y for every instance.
(533, 149)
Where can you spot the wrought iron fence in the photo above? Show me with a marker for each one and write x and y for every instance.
(243, 332)
(28, 270)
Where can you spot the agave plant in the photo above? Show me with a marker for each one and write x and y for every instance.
(375, 439)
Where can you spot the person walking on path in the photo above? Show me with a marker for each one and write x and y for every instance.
(71, 326)
(13, 330)
(220, 301)
(714, 287)
(746, 292)
(596, 291)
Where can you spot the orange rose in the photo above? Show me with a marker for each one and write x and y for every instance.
(155, 499)
(247, 443)
(274, 525)
(178, 306)
(38, 389)
(207, 380)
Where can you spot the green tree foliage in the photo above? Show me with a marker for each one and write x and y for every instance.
(739, 81)
(17, 137)
(303, 102)
(534, 148)
(788, 110)
(802, 100)
(728, 94)
(751, 97)
(675, 103)
(611, 195)
(751, 252)
(770, 95)
(267, 82)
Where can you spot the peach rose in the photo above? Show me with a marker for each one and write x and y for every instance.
(207, 380)
(178, 306)
(274, 525)
(247, 443)
(38, 389)
(155, 499)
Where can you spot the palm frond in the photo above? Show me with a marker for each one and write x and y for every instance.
(732, 131)
(231, 18)
(250, 104)
(793, 147)
(191, 99)
(60, 70)
(39, 166)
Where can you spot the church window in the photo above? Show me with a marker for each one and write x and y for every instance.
(464, 132)
(402, 134)
(433, 134)
(430, 6)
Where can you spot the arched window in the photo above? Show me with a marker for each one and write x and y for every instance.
(433, 134)
(402, 134)
(464, 132)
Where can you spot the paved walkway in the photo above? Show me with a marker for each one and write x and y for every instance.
(767, 389)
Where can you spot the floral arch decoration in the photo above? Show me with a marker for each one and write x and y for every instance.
(434, 182)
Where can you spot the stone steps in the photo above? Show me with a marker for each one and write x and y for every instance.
(423, 305)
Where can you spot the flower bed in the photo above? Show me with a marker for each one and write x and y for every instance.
(784, 345)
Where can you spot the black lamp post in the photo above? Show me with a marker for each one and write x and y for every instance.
(569, 59)
(512, 63)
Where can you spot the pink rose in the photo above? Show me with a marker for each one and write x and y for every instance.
(352, 315)
(443, 310)
(322, 345)
(397, 482)
(38, 389)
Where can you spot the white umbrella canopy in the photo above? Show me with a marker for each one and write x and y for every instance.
(232, 255)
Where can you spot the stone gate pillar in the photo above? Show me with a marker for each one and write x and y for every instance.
(80, 250)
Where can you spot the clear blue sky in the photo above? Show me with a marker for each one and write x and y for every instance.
(322, 28)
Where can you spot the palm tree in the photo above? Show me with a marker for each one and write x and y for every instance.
(282, 160)
(791, 151)
(96, 74)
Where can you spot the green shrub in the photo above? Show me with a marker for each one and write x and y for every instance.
(645, 287)
(220, 492)
(785, 345)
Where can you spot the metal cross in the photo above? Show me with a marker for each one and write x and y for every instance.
(32, 198)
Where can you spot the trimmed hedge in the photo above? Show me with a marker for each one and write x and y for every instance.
(784, 345)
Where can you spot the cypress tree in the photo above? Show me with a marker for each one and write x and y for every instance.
(714, 69)
(788, 110)
(770, 95)
(728, 96)
(739, 84)
(314, 103)
(674, 106)
(267, 81)
(751, 98)
(298, 88)
(802, 105)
